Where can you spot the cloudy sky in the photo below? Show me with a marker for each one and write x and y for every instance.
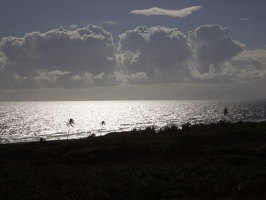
(124, 49)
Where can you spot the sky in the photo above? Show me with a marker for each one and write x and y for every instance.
(132, 50)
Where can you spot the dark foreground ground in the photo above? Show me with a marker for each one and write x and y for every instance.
(216, 161)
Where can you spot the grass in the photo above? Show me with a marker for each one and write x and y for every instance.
(214, 161)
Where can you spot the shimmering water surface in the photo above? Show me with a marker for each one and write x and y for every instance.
(30, 121)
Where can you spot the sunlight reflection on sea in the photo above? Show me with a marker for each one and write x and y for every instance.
(29, 121)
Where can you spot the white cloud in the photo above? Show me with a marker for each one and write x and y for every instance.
(73, 26)
(99, 76)
(120, 76)
(245, 19)
(255, 54)
(247, 67)
(37, 54)
(86, 57)
(211, 45)
(43, 75)
(76, 78)
(126, 78)
(159, 52)
(171, 13)
(251, 76)
(110, 58)
(250, 66)
(3, 60)
(20, 79)
(57, 72)
(47, 78)
(83, 81)
(205, 76)
(110, 23)
(166, 55)
(138, 76)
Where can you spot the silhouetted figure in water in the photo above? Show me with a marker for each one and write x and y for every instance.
(225, 111)
(102, 123)
(70, 123)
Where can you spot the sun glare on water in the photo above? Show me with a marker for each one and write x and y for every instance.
(30, 121)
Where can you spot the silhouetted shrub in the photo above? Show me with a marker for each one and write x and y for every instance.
(207, 161)
(150, 130)
(173, 129)
(185, 127)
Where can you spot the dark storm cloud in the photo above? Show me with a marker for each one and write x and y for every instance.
(71, 53)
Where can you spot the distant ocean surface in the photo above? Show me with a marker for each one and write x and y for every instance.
(30, 121)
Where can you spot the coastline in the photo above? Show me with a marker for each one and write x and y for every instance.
(215, 161)
(30, 121)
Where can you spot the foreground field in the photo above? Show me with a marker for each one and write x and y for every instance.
(215, 161)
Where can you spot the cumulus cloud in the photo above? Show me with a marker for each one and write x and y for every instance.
(48, 79)
(166, 55)
(247, 67)
(211, 45)
(250, 66)
(171, 13)
(3, 60)
(87, 57)
(124, 78)
(51, 75)
(159, 52)
(37, 54)
(255, 54)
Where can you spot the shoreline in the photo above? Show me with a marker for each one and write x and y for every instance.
(215, 161)
(33, 139)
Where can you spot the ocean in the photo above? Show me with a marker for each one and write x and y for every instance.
(30, 121)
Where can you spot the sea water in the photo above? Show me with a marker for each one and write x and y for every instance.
(30, 121)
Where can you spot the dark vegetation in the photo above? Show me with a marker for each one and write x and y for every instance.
(215, 161)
